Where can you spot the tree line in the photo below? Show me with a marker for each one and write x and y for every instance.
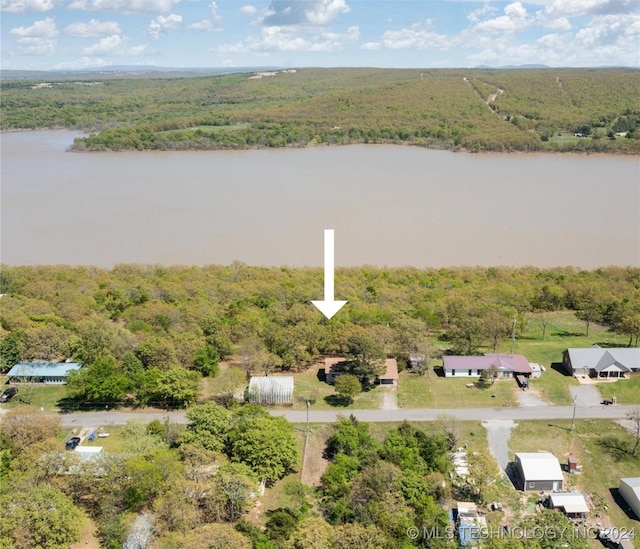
(148, 334)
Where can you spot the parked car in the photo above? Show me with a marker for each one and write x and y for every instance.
(8, 394)
(72, 443)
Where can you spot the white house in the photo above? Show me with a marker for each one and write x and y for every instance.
(599, 362)
(472, 366)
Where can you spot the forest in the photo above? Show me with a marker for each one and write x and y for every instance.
(149, 334)
(593, 110)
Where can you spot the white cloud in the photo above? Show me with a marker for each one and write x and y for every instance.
(515, 18)
(161, 25)
(277, 38)
(23, 6)
(608, 30)
(416, 36)
(109, 45)
(310, 12)
(248, 10)
(576, 8)
(371, 46)
(215, 16)
(45, 28)
(204, 25)
(38, 39)
(124, 6)
(93, 28)
(113, 45)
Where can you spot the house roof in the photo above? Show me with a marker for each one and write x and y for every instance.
(335, 364)
(512, 363)
(539, 466)
(599, 358)
(571, 502)
(43, 369)
(608, 362)
(392, 369)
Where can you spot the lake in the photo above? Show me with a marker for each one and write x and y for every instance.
(389, 205)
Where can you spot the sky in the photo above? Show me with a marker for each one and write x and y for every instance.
(80, 34)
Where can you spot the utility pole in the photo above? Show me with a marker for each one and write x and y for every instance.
(573, 420)
(513, 333)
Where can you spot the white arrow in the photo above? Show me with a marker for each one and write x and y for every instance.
(328, 306)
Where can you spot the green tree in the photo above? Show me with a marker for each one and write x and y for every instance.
(102, 381)
(209, 426)
(206, 361)
(348, 386)
(9, 350)
(267, 445)
(42, 517)
(365, 359)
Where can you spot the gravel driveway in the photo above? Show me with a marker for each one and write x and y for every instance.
(498, 434)
(586, 395)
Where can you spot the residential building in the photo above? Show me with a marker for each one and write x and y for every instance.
(571, 504)
(630, 491)
(600, 362)
(42, 372)
(472, 366)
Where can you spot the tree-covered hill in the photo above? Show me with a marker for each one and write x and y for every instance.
(471, 109)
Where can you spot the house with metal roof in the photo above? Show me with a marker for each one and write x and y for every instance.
(539, 471)
(600, 362)
(630, 490)
(271, 389)
(42, 372)
(571, 504)
(472, 366)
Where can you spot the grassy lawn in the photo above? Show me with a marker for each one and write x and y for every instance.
(433, 391)
(626, 391)
(306, 385)
(36, 395)
(602, 466)
(564, 331)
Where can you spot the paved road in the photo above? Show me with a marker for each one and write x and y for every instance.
(599, 411)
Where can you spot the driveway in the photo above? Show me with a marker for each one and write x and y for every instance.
(586, 395)
(498, 434)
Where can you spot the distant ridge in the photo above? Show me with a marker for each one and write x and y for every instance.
(126, 71)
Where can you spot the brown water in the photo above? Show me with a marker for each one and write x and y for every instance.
(389, 205)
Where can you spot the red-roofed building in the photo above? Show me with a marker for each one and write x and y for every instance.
(471, 366)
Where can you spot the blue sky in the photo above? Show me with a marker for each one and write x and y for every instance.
(76, 34)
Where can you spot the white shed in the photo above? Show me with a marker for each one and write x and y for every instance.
(630, 491)
(271, 389)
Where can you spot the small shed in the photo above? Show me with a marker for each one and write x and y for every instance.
(42, 372)
(539, 471)
(536, 370)
(630, 490)
(271, 389)
(571, 504)
(572, 463)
